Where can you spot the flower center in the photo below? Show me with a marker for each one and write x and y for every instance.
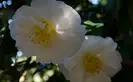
(92, 63)
(43, 36)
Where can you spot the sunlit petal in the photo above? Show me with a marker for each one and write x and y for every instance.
(49, 29)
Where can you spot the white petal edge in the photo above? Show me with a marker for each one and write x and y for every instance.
(112, 61)
(110, 71)
(100, 77)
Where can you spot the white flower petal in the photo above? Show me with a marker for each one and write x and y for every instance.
(28, 50)
(13, 35)
(72, 69)
(54, 6)
(63, 70)
(100, 77)
(69, 64)
(110, 44)
(113, 60)
(72, 61)
(92, 44)
(110, 71)
(57, 51)
(58, 13)
(24, 11)
(60, 49)
(97, 44)
(77, 75)
(21, 26)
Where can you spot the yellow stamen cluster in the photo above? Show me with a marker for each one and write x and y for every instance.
(92, 63)
(43, 36)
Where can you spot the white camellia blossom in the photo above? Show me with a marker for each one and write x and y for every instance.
(48, 29)
(96, 61)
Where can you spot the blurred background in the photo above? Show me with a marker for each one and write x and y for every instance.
(113, 18)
